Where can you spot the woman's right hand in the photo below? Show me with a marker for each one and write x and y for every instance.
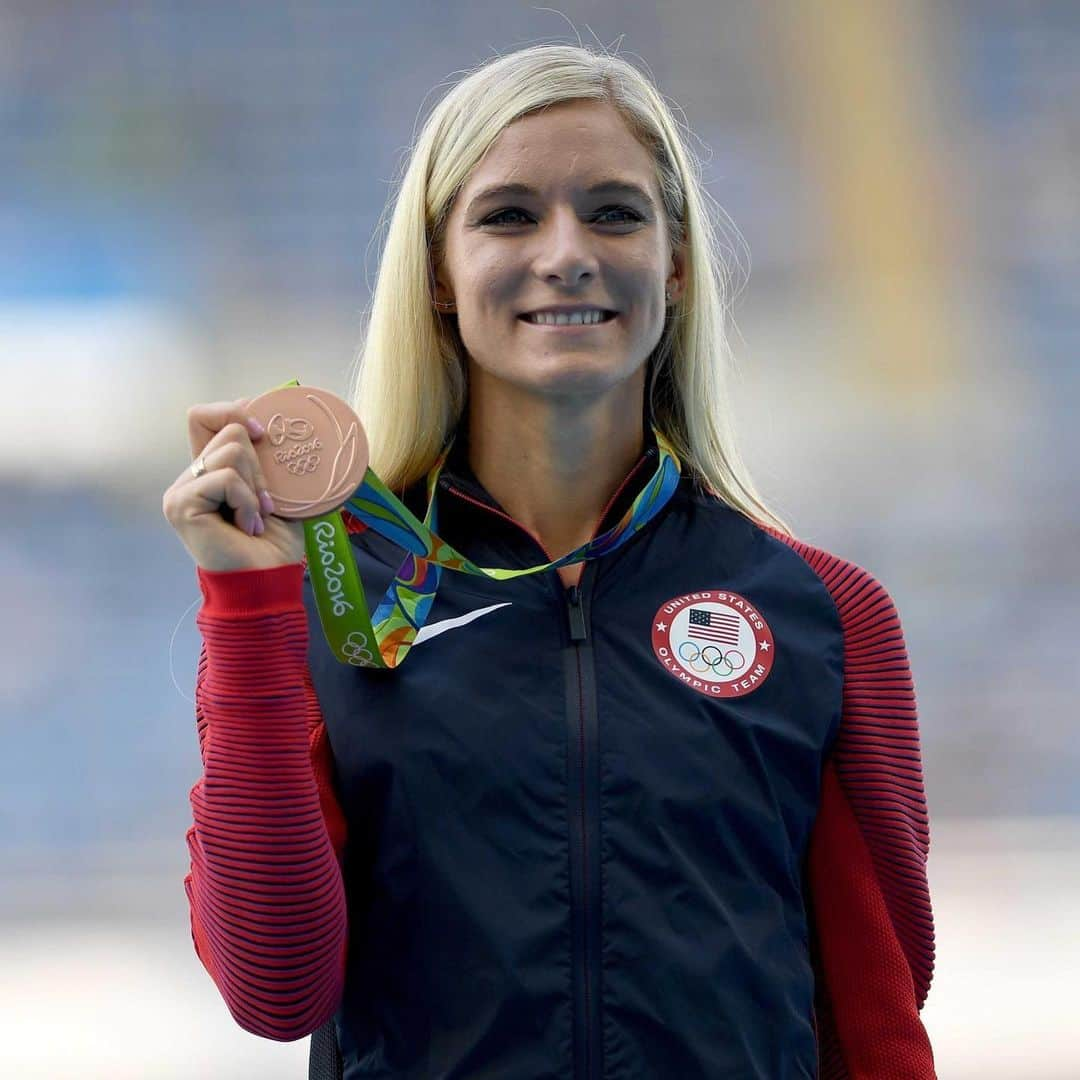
(218, 515)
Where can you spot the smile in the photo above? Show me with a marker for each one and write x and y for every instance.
(577, 321)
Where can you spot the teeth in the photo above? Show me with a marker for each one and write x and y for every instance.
(578, 318)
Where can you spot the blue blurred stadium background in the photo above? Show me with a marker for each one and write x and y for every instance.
(189, 199)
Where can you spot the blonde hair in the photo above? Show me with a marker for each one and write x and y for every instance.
(409, 388)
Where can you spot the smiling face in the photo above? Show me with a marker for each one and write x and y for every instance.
(559, 240)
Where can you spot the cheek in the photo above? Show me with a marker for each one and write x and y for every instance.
(488, 277)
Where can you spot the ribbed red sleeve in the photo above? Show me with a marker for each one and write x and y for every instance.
(873, 926)
(268, 913)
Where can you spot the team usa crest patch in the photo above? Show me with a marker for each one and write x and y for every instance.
(714, 641)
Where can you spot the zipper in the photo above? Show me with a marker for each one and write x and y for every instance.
(576, 613)
(583, 798)
(583, 815)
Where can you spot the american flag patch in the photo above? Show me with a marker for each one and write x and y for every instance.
(719, 626)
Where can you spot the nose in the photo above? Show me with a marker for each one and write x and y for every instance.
(565, 249)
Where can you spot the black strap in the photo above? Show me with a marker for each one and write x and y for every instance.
(324, 1057)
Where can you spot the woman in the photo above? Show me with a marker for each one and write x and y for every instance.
(654, 814)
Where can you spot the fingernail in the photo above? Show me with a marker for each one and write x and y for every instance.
(260, 528)
(266, 502)
(255, 427)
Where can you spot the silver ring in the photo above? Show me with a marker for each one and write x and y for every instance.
(198, 466)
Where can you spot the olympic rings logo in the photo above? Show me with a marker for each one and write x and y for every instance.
(304, 465)
(715, 642)
(356, 652)
(722, 664)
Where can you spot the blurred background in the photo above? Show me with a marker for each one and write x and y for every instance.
(189, 198)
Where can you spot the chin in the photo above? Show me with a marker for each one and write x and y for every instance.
(567, 378)
(558, 373)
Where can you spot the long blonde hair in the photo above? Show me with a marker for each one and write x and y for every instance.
(409, 386)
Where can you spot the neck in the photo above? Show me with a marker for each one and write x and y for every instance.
(553, 463)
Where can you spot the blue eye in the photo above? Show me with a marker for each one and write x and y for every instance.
(494, 219)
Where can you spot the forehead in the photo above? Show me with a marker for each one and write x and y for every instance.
(571, 143)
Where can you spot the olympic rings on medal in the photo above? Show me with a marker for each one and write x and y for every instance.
(304, 465)
(732, 660)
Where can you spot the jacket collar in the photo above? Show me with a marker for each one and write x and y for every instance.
(459, 492)
(458, 477)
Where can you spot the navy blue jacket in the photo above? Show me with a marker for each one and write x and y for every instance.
(581, 822)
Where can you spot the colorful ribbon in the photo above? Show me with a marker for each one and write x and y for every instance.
(384, 641)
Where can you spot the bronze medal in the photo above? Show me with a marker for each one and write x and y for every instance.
(314, 454)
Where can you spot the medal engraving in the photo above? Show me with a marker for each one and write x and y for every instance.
(315, 453)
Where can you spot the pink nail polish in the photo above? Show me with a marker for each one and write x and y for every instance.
(260, 526)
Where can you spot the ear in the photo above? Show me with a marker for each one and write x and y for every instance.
(675, 282)
(444, 295)
(440, 288)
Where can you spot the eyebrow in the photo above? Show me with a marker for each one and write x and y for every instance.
(615, 187)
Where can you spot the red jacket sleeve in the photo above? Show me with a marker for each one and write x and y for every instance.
(872, 925)
(267, 900)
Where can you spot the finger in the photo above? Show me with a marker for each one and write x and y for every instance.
(232, 448)
(207, 420)
(225, 492)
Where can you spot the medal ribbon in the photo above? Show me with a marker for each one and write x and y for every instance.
(383, 641)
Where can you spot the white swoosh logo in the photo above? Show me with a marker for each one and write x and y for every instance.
(434, 629)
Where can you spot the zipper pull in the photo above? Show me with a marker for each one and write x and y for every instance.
(577, 614)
